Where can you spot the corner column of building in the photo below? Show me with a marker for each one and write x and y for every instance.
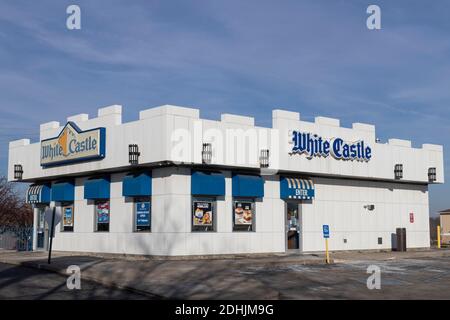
(171, 207)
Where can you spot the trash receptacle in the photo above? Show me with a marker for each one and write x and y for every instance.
(401, 239)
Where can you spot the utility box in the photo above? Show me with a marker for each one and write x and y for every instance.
(401, 239)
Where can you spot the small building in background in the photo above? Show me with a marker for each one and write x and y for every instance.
(445, 225)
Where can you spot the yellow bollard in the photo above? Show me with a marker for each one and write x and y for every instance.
(327, 254)
(439, 237)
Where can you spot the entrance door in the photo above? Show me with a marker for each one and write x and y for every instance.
(41, 239)
(292, 225)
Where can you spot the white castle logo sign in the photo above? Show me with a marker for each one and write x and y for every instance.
(73, 145)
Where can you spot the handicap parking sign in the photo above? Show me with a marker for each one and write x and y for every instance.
(326, 231)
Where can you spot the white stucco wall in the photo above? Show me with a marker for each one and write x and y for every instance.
(339, 203)
(171, 222)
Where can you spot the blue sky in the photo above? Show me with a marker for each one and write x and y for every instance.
(245, 57)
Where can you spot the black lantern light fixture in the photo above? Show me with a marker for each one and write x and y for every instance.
(206, 153)
(133, 154)
(18, 171)
(431, 174)
(398, 171)
(264, 158)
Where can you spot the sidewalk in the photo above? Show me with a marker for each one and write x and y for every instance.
(173, 279)
(194, 278)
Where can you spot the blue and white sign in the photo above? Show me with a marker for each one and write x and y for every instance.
(296, 188)
(314, 145)
(38, 194)
(68, 216)
(73, 145)
(326, 231)
(103, 212)
(142, 214)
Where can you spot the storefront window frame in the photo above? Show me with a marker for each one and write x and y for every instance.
(297, 204)
(213, 201)
(42, 228)
(135, 201)
(96, 224)
(40, 218)
(252, 226)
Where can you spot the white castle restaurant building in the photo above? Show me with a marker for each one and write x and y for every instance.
(171, 184)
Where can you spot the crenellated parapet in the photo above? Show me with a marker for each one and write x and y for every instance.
(173, 134)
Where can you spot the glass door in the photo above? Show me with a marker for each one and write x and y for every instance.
(40, 229)
(292, 225)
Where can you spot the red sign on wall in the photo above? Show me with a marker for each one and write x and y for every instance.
(411, 217)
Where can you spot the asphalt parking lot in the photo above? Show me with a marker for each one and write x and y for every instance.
(424, 278)
(403, 275)
(21, 283)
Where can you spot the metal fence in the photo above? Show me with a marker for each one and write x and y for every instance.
(16, 238)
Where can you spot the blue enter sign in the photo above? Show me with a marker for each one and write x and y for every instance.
(326, 231)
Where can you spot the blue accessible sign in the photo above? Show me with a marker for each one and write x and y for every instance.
(326, 231)
(143, 213)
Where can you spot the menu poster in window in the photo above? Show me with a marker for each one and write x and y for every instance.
(202, 213)
(103, 212)
(68, 216)
(142, 214)
(243, 214)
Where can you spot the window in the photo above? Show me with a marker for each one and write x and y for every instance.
(244, 215)
(102, 216)
(203, 215)
(67, 216)
(40, 229)
(142, 215)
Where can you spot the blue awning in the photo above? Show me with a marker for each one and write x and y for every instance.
(137, 185)
(207, 183)
(38, 193)
(296, 188)
(96, 188)
(248, 186)
(63, 191)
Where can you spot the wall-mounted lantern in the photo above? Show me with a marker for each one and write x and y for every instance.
(207, 153)
(18, 171)
(431, 174)
(133, 154)
(264, 158)
(398, 171)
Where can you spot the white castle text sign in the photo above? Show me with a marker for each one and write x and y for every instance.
(314, 145)
(73, 145)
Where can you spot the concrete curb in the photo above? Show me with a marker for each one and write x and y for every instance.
(136, 257)
(284, 262)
